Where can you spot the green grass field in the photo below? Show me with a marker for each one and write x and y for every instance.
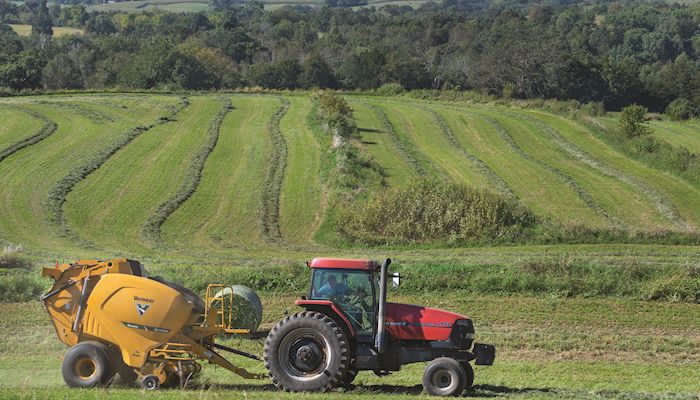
(569, 320)
(58, 31)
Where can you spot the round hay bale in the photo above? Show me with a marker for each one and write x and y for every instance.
(247, 308)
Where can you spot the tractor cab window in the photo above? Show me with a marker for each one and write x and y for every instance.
(352, 290)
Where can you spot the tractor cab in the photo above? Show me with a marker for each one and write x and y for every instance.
(352, 286)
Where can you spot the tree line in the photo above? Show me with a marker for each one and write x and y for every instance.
(618, 53)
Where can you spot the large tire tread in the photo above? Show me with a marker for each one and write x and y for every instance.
(344, 350)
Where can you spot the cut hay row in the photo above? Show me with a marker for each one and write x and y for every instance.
(92, 114)
(223, 213)
(59, 191)
(405, 148)
(301, 203)
(16, 125)
(684, 134)
(683, 194)
(47, 130)
(479, 164)
(111, 205)
(151, 230)
(533, 185)
(579, 190)
(272, 185)
(27, 176)
(663, 204)
(380, 145)
(436, 154)
(619, 199)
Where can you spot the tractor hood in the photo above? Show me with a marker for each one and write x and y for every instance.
(411, 322)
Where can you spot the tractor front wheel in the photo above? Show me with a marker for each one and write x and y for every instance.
(86, 365)
(469, 371)
(444, 377)
(306, 352)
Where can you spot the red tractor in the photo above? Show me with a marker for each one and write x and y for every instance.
(348, 326)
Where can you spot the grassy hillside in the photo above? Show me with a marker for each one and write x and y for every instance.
(101, 177)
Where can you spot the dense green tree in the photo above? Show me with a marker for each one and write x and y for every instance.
(100, 24)
(317, 73)
(40, 19)
(75, 16)
(7, 10)
(62, 72)
(10, 42)
(280, 75)
(22, 70)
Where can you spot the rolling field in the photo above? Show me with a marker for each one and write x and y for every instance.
(228, 187)
(180, 6)
(58, 31)
(231, 174)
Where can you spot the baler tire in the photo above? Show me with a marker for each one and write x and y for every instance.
(87, 365)
(469, 371)
(314, 330)
(444, 371)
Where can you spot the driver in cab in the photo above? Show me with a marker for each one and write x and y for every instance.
(333, 289)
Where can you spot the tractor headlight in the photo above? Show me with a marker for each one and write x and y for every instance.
(462, 334)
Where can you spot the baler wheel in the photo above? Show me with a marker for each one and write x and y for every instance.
(306, 352)
(444, 377)
(150, 382)
(86, 365)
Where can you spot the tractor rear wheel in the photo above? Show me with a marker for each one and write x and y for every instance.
(444, 377)
(86, 365)
(306, 352)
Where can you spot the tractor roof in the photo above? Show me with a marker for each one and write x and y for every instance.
(344, 263)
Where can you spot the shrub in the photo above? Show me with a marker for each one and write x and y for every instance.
(632, 122)
(331, 103)
(11, 259)
(21, 287)
(336, 115)
(594, 108)
(679, 287)
(645, 144)
(390, 89)
(508, 90)
(430, 211)
(680, 109)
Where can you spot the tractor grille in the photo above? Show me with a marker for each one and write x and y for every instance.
(462, 334)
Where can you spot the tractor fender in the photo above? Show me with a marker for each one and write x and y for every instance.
(329, 308)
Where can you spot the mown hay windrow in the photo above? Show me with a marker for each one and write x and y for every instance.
(152, 227)
(47, 130)
(59, 191)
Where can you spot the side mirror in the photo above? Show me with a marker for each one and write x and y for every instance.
(395, 280)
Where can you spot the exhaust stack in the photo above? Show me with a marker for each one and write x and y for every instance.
(379, 341)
